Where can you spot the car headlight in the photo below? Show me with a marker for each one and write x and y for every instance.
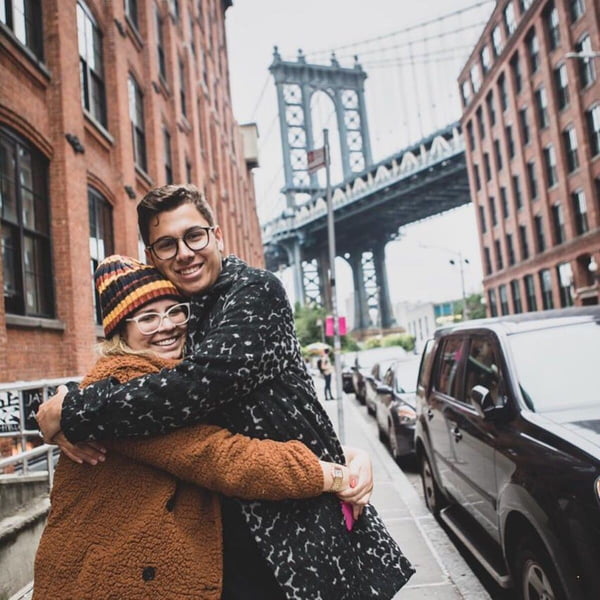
(406, 415)
(597, 488)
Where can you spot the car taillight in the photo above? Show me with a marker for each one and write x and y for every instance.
(406, 415)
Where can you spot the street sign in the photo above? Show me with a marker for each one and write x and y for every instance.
(329, 330)
(316, 159)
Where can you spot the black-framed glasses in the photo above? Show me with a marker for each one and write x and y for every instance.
(195, 239)
(150, 322)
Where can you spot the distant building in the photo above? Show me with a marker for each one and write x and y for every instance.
(531, 95)
(99, 102)
(418, 319)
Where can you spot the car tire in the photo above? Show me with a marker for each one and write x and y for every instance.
(370, 409)
(534, 572)
(434, 499)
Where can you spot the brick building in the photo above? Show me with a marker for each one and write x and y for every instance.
(99, 102)
(531, 95)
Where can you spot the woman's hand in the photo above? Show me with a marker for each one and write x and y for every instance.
(335, 477)
(361, 480)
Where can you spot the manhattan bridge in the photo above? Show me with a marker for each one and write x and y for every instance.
(404, 83)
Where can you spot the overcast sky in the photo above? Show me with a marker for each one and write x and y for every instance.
(255, 26)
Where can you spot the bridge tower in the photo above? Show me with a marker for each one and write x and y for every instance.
(296, 82)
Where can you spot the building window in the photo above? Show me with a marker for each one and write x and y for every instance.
(482, 222)
(101, 237)
(533, 48)
(552, 26)
(515, 289)
(465, 88)
(499, 260)
(493, 214)
(565, 284)
(502, 92)
(470, 136)
(485, 60)
(518, 195)
(182, 88)
(160, 44)
(510, 23)
(131, 12)
(580, 211)
(510, 141)
(504, 202)
(138, 131)
(539, 233)
(546, 285)
(593, 128)
(492, 303)
(192, 35)
(477, 177)
(576, 9)
(486, 164)
(25, 228)
(570, 145)
(561, 84)
(541, 101)
(530, 292)
(498, 153)
(510, 250)
(480, 123)
(524, 5)
(24, 19)
(587, 70)
(558, 223)
(167, 156)
(174, 9)
(550, 163)
(488, 260)
(523, 242)
(497, 41)
(532, 180)
(489, 99)
(515, 67)
(524, 122)
(475, 78)
(90, 64)
(503, 300)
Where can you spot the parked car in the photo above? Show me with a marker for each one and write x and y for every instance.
(508, 438)
(373, 381)
(348, 362)
(365, 360)
(394, 406)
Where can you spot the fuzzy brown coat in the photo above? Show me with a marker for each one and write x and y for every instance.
(144, 525)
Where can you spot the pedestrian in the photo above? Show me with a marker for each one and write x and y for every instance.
(327, 370)
(244, 371)
(147, 522)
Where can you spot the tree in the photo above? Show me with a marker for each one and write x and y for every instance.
(309, 323)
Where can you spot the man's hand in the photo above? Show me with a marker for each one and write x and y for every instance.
(48, 414)
(48, 418)
(361, 480)
(90, 452)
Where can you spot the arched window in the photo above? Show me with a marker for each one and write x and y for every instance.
(25, 228)
(89, 38)
(101, 236)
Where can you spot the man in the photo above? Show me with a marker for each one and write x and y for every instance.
(245, 372)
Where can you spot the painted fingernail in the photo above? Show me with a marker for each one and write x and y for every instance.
(352, 482)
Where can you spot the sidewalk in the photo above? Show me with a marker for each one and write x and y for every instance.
(442, 574)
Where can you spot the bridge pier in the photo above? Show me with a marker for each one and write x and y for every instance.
(383, 290)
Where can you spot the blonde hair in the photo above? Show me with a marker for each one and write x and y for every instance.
(116, 345)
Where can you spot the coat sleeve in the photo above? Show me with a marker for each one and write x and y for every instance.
(251, 342)
(232, 464)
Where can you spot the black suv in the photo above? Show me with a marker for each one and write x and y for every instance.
(508, 439)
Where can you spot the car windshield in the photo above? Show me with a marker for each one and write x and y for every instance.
(557, 367)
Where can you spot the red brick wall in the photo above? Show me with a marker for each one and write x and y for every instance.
(43, 104)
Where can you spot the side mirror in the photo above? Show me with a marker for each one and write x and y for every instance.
(384, 389)
(483, 400)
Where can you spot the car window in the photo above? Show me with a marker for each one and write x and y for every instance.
(425, 366)
(447, 378)
(483, 367)
(375, 371)
(389, 377)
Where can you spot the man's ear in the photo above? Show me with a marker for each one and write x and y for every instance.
(219, 237)
(149, 257)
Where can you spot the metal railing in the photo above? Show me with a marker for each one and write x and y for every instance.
(19, 402)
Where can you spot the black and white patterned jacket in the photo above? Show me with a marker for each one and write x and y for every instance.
(244, 371)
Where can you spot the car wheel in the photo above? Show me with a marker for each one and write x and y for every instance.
(370, 409)
(434, 499)
(535, 574)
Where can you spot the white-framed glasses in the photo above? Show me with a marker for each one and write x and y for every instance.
(150, 322)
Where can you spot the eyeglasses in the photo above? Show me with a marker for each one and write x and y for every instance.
(195, 239)
(150, 322)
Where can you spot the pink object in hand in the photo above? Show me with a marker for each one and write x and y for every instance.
(348, 516)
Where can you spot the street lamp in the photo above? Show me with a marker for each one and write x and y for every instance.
(461, 262)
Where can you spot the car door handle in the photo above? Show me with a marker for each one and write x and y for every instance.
(429, 414)
(457, 434)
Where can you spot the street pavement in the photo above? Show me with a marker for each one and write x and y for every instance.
(442, 573)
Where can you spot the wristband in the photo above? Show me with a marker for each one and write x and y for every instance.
(337, 474)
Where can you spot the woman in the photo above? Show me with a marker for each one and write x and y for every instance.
(144, 524)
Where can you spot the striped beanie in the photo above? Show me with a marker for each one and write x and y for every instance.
(124, 285)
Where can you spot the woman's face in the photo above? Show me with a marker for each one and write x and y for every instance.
(167, 342)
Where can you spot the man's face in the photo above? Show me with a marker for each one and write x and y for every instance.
(192, 272)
